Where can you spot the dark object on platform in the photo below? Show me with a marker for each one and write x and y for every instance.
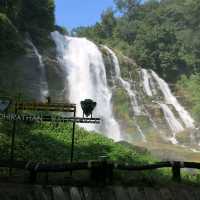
(88, 106)
(48, 100)
(4, 105)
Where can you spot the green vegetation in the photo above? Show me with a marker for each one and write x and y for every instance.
(37, 18)
(20, 17)
(52, 142)
(189, 89)
(10, 40)
(161, 35)
(121, 105)
(62, 30)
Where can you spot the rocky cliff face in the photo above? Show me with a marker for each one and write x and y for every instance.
(22, 74)
(27, 73)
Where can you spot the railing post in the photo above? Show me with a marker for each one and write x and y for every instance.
(12, 145)
(176, 171)
(32, 176)
(102, 171)
(73, 135)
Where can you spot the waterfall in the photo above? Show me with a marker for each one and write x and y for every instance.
(44, 85)
(170, 118)
(86, 78)
(173, 123)
(125, 84)
(127, 87)
(140, 131)
(171, 99)
(146, 82)
(85, 74)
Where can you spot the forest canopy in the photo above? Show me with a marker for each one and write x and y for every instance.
(160, 35)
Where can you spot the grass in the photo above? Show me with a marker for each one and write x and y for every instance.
(52, 142)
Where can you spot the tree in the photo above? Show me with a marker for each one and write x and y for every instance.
(36, 13)
(37, 18)
(159, 34)
(108, 22)
(127, 7)
(11, 44)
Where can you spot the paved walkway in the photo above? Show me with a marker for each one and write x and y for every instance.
(29, 192)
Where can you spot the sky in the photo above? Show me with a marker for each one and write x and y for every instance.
(74, 13)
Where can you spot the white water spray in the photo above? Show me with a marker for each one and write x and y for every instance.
(146, 82)
(171, 99)
(86, 78)
(173, 123)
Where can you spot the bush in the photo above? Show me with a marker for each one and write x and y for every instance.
(188, 87)
(51, 142)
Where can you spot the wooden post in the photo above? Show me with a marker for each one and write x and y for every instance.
(176, 171)
(102, 172)
(33, 176)
(12, 145)
(73, 136)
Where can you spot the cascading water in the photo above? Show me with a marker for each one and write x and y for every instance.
(151, 82)
(44, 85)
(146, 82)
(170, 118)
(86, 78)
(149, 89)
(173, 123)
(171, 99)
(127, 86)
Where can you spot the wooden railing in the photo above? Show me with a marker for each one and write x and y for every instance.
(103, 168)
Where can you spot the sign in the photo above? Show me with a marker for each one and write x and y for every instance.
(45, 108)
(47, 118)
(56, 107)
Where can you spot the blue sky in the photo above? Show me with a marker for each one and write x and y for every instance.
(73, 13)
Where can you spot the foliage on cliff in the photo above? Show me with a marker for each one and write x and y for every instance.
(37, 18)
(24, 16)
(10, 40)
(52, 142)
(189, 89)
(161, 35)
